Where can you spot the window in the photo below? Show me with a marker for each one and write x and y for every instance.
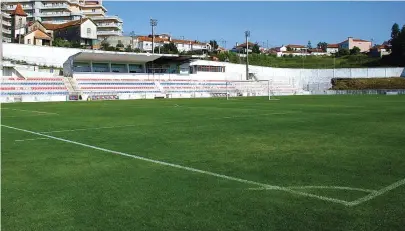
(93, 10)
(88, 31)
(29, 41)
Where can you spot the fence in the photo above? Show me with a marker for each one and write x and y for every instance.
(365, 92)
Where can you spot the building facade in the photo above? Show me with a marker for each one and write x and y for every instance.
(6, 27)
(364, 45)
(62, 11)
(144, 43)
(332, 48)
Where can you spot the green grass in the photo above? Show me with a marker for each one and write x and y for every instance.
(351, 141)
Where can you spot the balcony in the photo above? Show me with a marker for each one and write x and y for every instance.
(6, 31)
(6, 23)
(94, 13)
(7, 40)
(25, 7)
(54, 14)
(98, 18)
(109, 25)
(5, 15)
(106, 32)
(55, 6)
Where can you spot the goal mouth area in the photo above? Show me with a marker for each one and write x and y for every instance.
(249, 88)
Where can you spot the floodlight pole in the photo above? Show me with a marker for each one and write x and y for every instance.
(247, 35)
(268, 88)
(153, 23)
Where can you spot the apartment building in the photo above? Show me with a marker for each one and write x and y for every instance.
(63, 11)
(6, 27)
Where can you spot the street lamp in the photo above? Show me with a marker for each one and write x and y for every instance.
(247, 35)
(153, 23)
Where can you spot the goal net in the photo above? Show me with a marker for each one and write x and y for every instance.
(249, 88)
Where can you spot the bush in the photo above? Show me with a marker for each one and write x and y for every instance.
(368, 83)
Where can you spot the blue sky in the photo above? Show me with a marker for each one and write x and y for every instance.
(275, 23)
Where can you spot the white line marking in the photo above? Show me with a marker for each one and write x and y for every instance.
(32, 139)
(41, 112)
(28, 115)
(324, 187)
(188, 168)
(378, 193)
(84, 129)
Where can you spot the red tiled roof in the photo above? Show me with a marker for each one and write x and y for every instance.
(50, 26)
(316, 50)
(332, 46)
(157, 39)
(19, 11)
(40, 35)
(295, 46)
(355, 40)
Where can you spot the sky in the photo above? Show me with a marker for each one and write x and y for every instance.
(270, 23)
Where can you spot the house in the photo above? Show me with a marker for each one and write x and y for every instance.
(83, 31)
(144, 43)
(241, 48)
(62, 11)
(332, 48)
(38, 37)
(380, 50)
(292, 47)
(351, 42)
(317, 52)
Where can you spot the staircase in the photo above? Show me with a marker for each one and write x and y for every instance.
(71, 85)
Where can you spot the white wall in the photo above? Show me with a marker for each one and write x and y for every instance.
(88, 25)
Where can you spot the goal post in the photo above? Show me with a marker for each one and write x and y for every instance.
(246, 88)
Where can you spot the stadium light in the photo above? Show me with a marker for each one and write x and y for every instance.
(247, 35)
(153, 23)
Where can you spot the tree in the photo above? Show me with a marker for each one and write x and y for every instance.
(214, 44)
(58, 42)
(309, 46)
(128, 48)
(137, 50)
(120, 45)
(395, 31)
(256, 49)
(105, 45)
(355, 51)
(322, 45)
(170, 48)
(343, 52)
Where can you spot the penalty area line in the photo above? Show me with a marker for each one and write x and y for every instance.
(323, 198)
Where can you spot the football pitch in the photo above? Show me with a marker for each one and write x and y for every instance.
(297, 163)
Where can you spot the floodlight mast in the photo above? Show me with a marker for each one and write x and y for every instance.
(153, 23)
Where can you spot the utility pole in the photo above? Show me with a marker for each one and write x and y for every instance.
(247, 35)
(153, 23)
(1, 39)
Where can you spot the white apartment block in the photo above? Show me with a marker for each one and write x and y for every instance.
(61, 11)
(5, 27)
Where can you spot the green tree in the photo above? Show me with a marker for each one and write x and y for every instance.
(58, 42)
(355, 51)
(104, 45)
(256, 49)
(343, 52)
(170, 48)
(309, 46)
(214, 44)
(395, 31)
(120, 45)
(128, 48)
(322, 45)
